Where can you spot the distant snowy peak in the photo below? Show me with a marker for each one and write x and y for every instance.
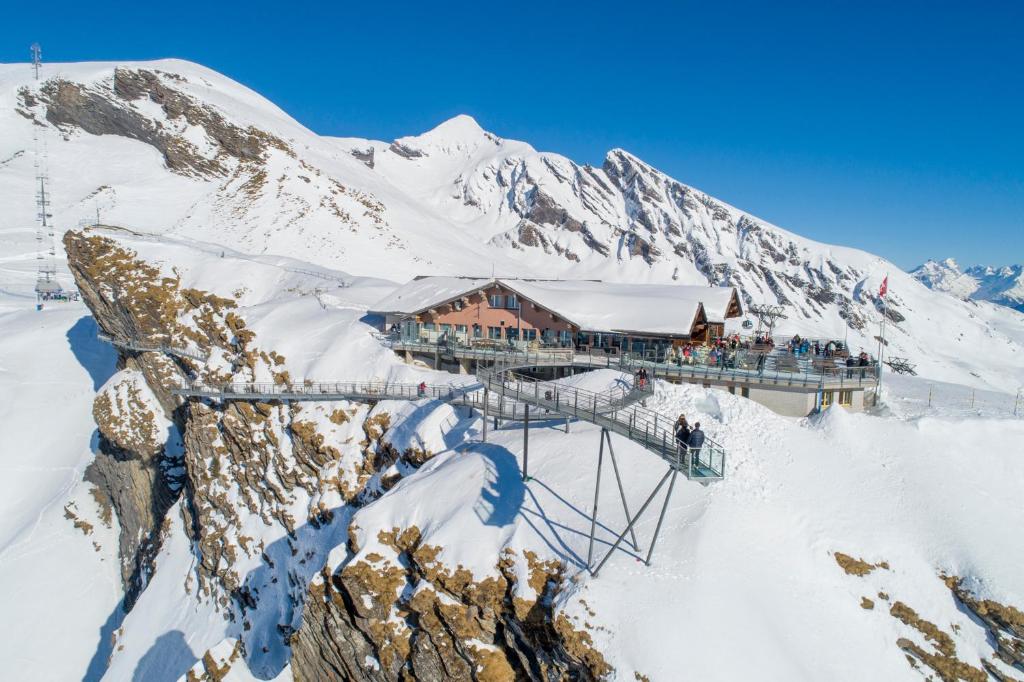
(460, 136)
(1002, 285)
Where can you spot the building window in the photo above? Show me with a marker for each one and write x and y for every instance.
(564, 337)
(494, 332)
(460, 329)
(428, 326)
(478, 331)
(509, 302)
(511, 333)
(846, 398)
(446, 328)
(457, 305)
(529, 334)
(827, 398)
(746, 392)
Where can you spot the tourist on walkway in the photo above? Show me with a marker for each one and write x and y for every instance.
(422, 388)
(695, 441)
(682, 430)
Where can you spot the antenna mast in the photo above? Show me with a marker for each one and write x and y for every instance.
(37, 58)
(46, 276)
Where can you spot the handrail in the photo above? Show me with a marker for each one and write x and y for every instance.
(150, 348)
(632, 420)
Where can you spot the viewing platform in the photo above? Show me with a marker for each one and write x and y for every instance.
(792, 385)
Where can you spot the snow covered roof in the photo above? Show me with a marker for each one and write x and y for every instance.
(614, 307)
(660, 309)
(716, 300)
(426, 292)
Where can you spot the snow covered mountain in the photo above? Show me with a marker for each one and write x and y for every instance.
(143, 537)
(1003, 286)
(170, 147)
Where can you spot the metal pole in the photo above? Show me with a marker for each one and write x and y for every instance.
(485, 413)
(597, 491)
(881, 342)
(526, 442)
(618, 480)
(636, 518)
(661, 517)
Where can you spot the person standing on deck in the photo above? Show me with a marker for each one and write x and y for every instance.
(695, 442)
(682, 430)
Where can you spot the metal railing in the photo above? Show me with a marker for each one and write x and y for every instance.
(742, 367)
(771, 372)
(144, 347)
(643, 426)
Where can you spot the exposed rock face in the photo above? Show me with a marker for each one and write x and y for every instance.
(133, 471)
(932, 649)
(106, 109)
(451, 627)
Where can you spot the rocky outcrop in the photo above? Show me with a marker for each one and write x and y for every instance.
(105, 108)
(414, 618)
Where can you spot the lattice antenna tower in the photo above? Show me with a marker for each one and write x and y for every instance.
(37, 58)
(47, 251)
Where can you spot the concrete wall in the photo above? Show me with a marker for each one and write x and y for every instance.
(785, 402)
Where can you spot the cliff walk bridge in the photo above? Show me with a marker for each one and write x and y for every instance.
(504, 391)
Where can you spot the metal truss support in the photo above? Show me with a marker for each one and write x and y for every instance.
(632, 523)
(618, 480)
(597, 492)
(526, 442)
(661, 517)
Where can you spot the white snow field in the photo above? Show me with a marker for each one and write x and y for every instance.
(744, 583)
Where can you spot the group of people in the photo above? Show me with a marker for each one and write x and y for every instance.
(860, 361)
(689, 439)
(829, 349)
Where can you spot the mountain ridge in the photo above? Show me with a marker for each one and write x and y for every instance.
(1002, 285)
(171, 147)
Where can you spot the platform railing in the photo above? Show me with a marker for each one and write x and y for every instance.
(649, 428)
(150, 347)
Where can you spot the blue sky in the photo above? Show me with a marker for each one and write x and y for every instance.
(893, 127)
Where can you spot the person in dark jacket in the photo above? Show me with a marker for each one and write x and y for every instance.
(696, 439)
(682, 430)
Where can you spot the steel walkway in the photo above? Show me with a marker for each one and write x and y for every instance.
(505, 392)
(623, 414)
(150, 347)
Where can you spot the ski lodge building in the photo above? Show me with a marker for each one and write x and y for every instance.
(456, 323)
(578, 314)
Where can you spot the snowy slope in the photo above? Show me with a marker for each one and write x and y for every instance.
(1004, 285)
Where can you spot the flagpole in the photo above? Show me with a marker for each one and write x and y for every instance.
(881, 339)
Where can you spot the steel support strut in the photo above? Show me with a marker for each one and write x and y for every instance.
(618, 479)
(526, 442)
(636, 518)
(486, 396)
(597, 492)
(661, 517)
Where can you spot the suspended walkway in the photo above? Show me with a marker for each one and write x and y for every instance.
(151, 347)
(504, 391)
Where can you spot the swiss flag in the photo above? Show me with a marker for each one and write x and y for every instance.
(884, 288)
